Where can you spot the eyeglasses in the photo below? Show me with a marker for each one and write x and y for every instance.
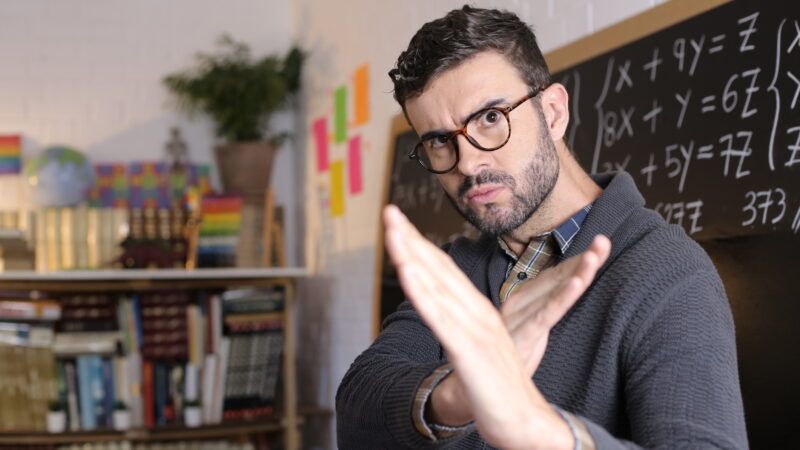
(487, 129)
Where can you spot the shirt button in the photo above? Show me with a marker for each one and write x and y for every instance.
(522, 275)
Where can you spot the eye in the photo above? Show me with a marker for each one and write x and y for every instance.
(489, 118)
(437, 142)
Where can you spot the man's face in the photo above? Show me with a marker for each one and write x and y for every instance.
(496, 191)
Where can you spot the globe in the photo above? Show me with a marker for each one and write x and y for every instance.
(59, 176)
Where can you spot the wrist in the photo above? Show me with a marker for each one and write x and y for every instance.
(446, 405)
(551, 431)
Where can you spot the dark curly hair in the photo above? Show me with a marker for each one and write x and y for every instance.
(446, 42)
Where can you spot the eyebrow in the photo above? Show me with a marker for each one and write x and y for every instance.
(488, 104)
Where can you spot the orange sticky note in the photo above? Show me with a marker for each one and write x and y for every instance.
(361, 94)
(337, 188)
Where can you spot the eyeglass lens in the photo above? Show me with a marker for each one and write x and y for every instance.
(487, 130)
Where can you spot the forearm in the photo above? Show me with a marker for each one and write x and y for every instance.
(375, 397)
(373, 403)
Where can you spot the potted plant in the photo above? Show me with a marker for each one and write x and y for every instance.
(192, 413)
(122, 417)
(240, 94)
(56, 417)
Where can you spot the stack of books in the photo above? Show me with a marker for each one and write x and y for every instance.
(27, 371)
(219, 231)
(72, 238)
(254, 321)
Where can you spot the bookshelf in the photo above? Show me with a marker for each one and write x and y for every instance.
(274, 423)
(285, 421)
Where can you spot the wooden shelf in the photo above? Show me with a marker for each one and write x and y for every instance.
(138, 279)
(269, 424)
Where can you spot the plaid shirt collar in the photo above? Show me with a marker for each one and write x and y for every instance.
(562, 235)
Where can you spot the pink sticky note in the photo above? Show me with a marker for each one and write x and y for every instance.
(320, 130)
(354, 164)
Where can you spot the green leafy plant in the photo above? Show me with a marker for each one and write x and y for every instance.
(56, 406)
(191, 403)
(240, 93)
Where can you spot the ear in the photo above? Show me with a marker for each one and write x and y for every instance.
(555, 107)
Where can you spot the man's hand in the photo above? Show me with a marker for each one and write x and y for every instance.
(535, 306)
(507, 408)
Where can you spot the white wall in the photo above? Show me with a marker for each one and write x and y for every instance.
(87, 73)
(341, 36)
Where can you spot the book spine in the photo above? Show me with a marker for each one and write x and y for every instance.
(80, 237)
(147, 394)
(40, 239)
(87, 413)
(108, 392)
(93, 238)
(53, 239)
(209, 376)
(72, 396)
(67, 253)
(98, 390)
(134, 360)
(160, 375)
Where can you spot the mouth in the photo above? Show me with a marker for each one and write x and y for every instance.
(480, 195)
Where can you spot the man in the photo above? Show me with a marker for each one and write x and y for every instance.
(542, 333)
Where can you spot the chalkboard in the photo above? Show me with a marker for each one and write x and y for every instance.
(705, 116)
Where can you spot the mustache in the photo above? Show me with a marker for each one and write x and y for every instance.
(487, 176)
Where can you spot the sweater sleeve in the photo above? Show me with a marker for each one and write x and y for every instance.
(681, 377)
(375, 398)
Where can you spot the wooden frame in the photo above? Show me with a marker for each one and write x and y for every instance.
(399, 126)
(648, 22)
(622, 33)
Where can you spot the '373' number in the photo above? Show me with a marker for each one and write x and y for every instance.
(765, 201)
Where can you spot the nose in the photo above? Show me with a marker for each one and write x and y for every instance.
(471, 160)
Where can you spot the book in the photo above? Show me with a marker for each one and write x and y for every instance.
(67, 239)
(88, 418)
(73, 415)
(52, 239)
(164, 326)
(147, 394)
(49, 310)
(80, 343)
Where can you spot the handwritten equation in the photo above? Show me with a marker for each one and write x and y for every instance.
(704, 115)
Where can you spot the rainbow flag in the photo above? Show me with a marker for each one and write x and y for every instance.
(10, 155)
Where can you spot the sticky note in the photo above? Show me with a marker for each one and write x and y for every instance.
(337, 188)
(340, 114)
(361, 95)
(320, 131)
(354, 164)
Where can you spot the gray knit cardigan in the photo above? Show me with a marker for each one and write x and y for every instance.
(647, 356)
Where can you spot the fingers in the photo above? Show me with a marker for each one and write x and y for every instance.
(547, 298)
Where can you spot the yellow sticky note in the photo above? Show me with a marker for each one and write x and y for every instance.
(361, 94)
(337, 188)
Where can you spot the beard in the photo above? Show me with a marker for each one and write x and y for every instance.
(537, 181)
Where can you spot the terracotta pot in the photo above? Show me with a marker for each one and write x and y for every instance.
(245, 167)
